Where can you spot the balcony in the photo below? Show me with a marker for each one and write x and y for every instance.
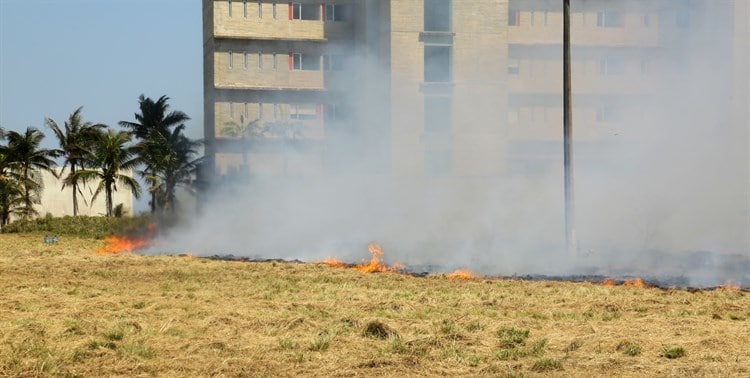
(274, 25)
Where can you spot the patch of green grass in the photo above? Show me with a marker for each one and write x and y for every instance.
(114, 334)
(511, 337)
(474, 326)
(321, 342)
(629, 348)
(287, 344)
(81, 226)
(673, 352)
(546, 364)
(137, 349)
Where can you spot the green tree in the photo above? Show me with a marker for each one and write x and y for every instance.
(10, 191)
(111, 155)
(176, 156)
(25, 160)
(76, 140)
(153, 123)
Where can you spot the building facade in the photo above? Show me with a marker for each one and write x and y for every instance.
(450, 88)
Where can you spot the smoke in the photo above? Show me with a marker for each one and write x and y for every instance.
(661, 165)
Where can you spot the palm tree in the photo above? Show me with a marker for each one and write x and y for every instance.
(10, 191)
(26, 160)
(110, 156)
(245, 132)
(175, 154)
(153, 122)
(75, 142)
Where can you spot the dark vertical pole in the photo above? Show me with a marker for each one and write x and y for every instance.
(570, 229)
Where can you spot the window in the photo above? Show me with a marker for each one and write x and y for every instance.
(609, 19)
(532, 17)
(514, 66)
(230, 7)
(306, 62)
(244, 112)
(303, 112)
(438, 115)
(335, 112)
(514, 17)
(274, 10)
(260, 110)
(546, 17)
(335, 12)
(612, 66)
(230, 59)
(583, 18)
(644, 66)
(275, 65)
(437, 15)
(244, 8)
(231, 111)
(646, 20)
(513, 114)
(244, 59)
(333, 62)
(260, 60)
(305, 11)
(260, 9)
(437, 64)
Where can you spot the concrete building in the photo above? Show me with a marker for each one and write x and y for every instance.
(440, 87)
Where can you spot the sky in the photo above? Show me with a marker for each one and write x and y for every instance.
(57, 55)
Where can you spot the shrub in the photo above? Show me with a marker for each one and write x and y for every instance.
(673, 352)
(81, 226)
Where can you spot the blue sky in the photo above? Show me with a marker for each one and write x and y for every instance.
(56, 55)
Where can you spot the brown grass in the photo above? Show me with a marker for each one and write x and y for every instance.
(65, 311)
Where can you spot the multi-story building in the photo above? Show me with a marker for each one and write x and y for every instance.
(441, 87)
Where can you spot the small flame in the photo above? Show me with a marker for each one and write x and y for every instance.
(116, 244)
(460, 274)
(334, 263)
(637, 282)
(608, 282)
(374, 265)
(729, 286)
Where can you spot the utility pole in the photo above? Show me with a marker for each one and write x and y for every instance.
(570, 229)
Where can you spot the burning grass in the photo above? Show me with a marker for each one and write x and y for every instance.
(65, 310)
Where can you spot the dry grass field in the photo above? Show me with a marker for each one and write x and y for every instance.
(66, 311)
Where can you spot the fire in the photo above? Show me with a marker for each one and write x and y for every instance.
(608, 282)
(637, 282)
(116, 244)
(374, 265)
(729, 286)
(332, 262)
(460, 274)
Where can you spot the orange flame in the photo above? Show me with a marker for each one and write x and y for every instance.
(634, 283)
(729, 286)
(374, 265)
(332, 262)
(116, 244)
(460, 274)
(608, 282)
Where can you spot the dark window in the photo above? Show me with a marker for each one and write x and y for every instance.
(306, 62)
(514, 17)
(335, 12)
(333, 62)
(609, 19)
(230, 7)
(306, 11)
(336, 112)
(437, 163)
(437, 114)
(437, 15)
(437, 64)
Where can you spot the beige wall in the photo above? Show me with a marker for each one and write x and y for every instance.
(60, 202)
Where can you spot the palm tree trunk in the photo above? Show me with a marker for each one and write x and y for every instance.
(108, 190)
(75, 190)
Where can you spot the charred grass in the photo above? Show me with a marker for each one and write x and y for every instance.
(65, 311)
